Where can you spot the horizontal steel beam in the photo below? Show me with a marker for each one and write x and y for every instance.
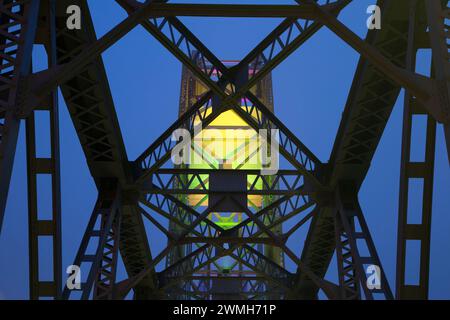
(196, 181)
(241, 277)
(225, 239)
(304, 11)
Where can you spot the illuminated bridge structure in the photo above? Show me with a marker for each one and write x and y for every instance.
(228, 221)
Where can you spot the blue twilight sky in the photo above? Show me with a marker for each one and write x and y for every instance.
(313, 83)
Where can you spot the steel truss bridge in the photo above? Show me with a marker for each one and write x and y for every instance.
(131, 192)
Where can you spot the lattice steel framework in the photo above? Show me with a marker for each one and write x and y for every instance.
(129, 192)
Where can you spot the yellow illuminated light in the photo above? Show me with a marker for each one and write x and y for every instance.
(228, 118)
(228, 140)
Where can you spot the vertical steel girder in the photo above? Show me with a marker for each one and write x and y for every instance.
(104, 286)
(38, 166)
(89, 101)
(355, 249)
(438, 13)
(102, 234)
(413, 170)
(349, 277)
(369, 105)
(18, 24)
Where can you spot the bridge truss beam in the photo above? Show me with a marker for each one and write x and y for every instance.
(127, 188)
